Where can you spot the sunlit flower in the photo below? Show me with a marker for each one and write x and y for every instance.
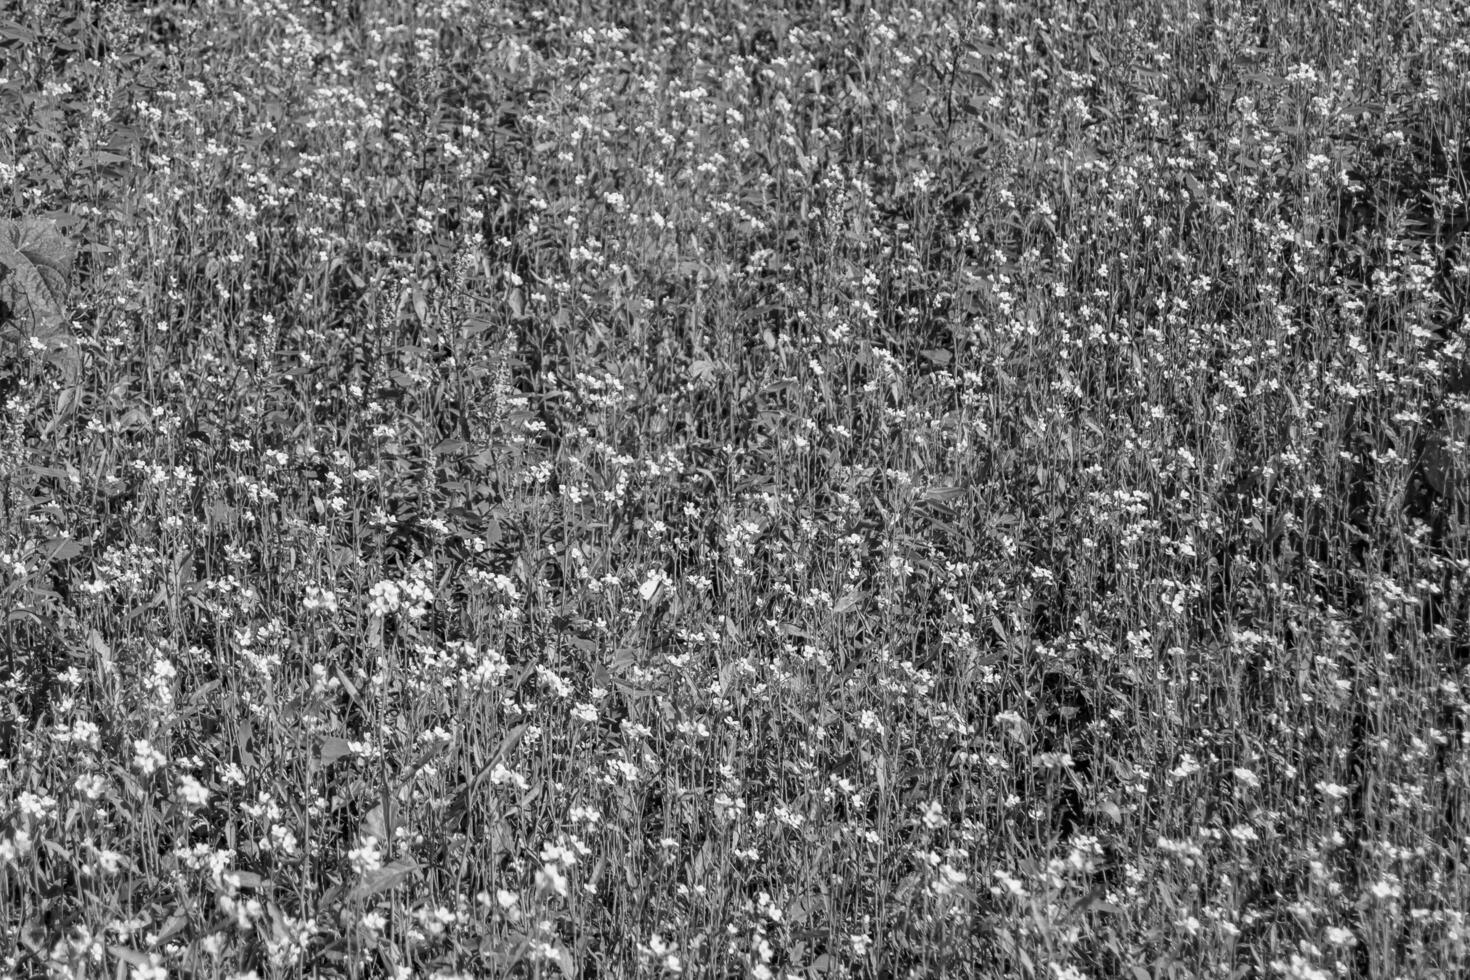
(366, 856)
(192, 793)
(146, 759)
(933, 815)
(383, 598)
(550, 878)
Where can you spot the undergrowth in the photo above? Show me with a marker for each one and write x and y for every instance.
(734, 489)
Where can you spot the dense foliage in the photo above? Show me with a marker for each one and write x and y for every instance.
(774, 489)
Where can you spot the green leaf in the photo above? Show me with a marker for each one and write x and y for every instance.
(131, 956)
(24, 612)
(62, 549)
(390, 875)
(172, 926)
(13, 33)
(244, 879)
(36, 262)
(564, 961)
(941, 493)
(334, 748)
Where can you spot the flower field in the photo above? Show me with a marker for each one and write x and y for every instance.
(715, 488)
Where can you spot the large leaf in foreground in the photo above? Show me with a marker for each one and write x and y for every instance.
(35, 264)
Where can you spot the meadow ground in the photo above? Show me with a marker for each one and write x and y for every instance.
(734, 489)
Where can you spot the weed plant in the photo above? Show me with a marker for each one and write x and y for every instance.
(772, 489)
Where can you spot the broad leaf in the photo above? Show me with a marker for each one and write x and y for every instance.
(390, 875)
(35, 263)
(334, 748)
